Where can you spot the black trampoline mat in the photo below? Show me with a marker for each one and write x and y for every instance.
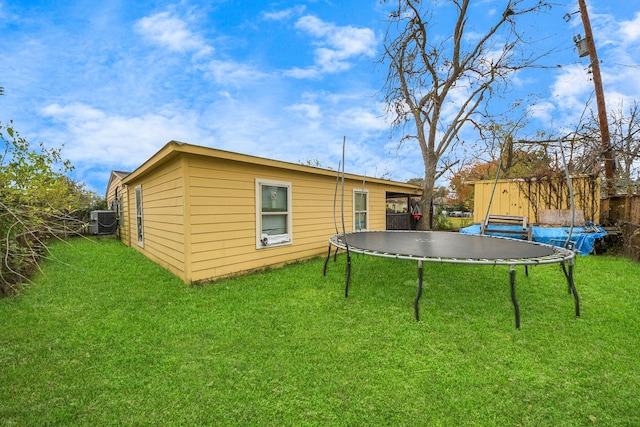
(438, 244)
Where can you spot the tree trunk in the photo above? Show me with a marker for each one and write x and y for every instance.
(427, 197)
(507, 155)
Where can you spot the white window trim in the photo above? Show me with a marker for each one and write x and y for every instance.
(139, 217)
(355, 193)
(263, 241)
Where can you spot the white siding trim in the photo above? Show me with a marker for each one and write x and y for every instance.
(139, 216)
(357, 192)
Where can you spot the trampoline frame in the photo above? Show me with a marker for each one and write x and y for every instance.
(559, 255)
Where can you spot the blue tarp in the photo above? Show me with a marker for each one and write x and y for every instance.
(583, 239)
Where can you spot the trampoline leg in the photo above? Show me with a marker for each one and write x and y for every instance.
(516, 308)
(416, 306)
(572, 287)
(566, 275)
(326, 261)
(348, 275)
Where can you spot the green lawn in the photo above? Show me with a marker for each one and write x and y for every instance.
(104, 336)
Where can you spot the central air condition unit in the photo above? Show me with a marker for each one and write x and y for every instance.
(104, 222)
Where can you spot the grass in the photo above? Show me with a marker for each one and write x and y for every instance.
(106, 337)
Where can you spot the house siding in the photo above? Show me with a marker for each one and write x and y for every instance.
(199, 211)
(116, 187)
(163, 218)
(221, 224)
(224, 213)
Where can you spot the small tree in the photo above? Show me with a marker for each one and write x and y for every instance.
(435, 84)
(461, 182)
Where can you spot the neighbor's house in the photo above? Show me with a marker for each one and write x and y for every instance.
(205, 213)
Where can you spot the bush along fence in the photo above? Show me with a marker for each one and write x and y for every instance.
(625, 211)
(37, 203)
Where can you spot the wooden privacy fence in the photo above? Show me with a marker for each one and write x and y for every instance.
(529, 197)
(623, 209)
(400, 221)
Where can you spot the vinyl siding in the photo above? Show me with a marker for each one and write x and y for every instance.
(163, 217)
(223, 216)
(199, 211)
(115, 183)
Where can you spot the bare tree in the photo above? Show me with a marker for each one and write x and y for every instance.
(435, 85)
(625, 135)
(625, 144)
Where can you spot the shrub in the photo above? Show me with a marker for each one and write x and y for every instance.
(37, 202)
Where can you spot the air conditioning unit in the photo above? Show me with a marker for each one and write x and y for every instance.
(104, 222)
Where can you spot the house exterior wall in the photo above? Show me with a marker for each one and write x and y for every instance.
(200, 213)
(163, 205)
(222, 197)
(527, 198)
(117, 197)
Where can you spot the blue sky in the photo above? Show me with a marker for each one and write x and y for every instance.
(113, 81)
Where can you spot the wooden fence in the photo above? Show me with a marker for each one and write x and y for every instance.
(622, 209)
(625, 212)
(400, 221)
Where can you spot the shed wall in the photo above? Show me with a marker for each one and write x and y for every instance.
(527, 198)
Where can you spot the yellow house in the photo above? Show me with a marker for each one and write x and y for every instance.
(205, 213)
(117, 201)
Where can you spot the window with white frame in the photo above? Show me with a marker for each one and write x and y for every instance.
(139, 227)
(273, 217)
(360, 210)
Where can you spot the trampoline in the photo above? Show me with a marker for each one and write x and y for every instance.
(455, 248)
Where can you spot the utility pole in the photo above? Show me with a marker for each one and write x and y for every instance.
(602, 109)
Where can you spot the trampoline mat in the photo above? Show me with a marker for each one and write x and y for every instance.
(435, 244)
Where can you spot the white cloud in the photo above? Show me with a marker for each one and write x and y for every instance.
(303, 73)
(308, 111)
(171, 32)
(571, 86)
(233, 73)
(113, 141)
(4, 15)
(363, 120)
(283, 15)
(336, 46)
(630, 30)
